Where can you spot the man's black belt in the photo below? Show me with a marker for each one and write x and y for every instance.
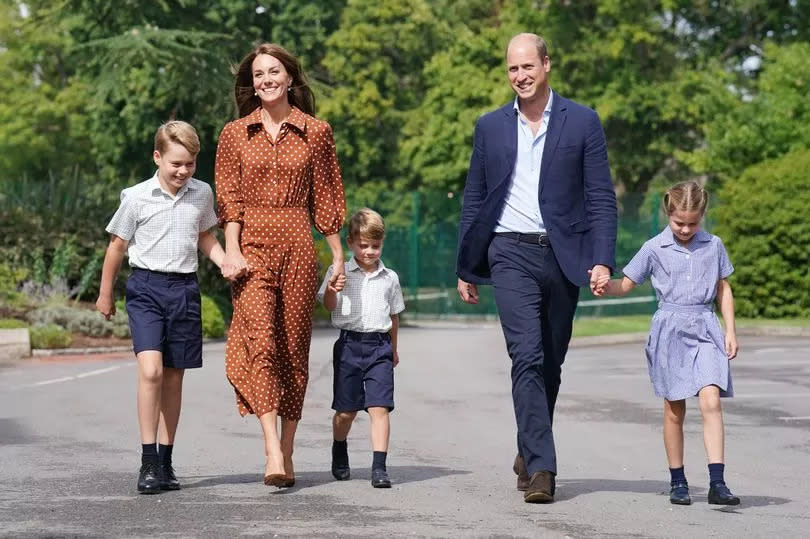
(535, 238)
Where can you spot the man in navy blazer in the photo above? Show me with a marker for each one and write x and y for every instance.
(538, 221)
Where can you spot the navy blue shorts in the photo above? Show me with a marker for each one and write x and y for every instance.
(363, 371)
(165, 315)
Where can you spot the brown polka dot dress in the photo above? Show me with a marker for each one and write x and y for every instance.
(277, 191)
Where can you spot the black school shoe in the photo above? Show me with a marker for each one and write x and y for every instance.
(719, 494)
(149, 478)
(379, 479)
(168, 481)
(341, 472)
(679, 493)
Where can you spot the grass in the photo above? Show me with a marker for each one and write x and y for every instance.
(587, 327)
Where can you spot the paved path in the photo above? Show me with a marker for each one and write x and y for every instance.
(69, 451)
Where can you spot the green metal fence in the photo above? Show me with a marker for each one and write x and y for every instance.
(420, 244)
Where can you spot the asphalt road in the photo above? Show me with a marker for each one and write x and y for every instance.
(69, 451)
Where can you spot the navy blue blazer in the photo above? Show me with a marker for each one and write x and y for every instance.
(577, 199)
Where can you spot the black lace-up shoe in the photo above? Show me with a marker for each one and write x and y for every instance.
(719, 494)
(149, 478)
(679, 493)
(168, 481)
(379, 479)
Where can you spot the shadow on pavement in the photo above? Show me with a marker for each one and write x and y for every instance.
(399, 475)
(571, 488)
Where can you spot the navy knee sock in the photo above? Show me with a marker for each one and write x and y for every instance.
(165, 454)
(677, 475)
(716, 473)
(340, 452)
(149, 453)
(379, 460)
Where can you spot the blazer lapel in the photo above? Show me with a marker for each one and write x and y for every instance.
(508, 136)
(559, 111)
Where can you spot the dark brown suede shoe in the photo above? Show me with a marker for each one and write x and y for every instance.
(541, 488)
(519, 467)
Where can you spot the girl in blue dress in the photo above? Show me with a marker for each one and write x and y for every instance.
(688, 353)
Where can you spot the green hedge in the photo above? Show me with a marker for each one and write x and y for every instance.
(50, 336)
(213, 323)
(765, 226)
(12, 323)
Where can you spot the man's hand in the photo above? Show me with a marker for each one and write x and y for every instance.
(396, 359)
(468, 292)
(600, 275)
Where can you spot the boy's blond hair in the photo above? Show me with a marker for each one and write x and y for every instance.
(686, 196)
(178, 132)
(366, 223)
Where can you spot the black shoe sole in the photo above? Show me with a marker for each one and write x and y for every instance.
(735, 501)
(169, 487)
(148, 490)
(386, 484)
(680, 502)
(340, 476)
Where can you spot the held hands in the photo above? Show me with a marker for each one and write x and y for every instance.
(468, 292)
(105, 305)
(337, 283)
(234, 266)
(731, 345)
(338, 279)
(600, 280)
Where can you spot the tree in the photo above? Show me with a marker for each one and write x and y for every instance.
(763, 221)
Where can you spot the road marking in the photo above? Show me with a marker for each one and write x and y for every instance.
(79, 376)
(773, 395)
(795, 418)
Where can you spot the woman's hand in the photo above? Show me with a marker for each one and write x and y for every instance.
(234, 265)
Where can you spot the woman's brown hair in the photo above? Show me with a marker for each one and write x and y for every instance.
(300, 94)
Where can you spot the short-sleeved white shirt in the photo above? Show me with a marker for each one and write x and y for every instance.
(162, 230)
(368, 300)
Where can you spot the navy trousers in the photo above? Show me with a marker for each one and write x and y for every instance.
(536, 305)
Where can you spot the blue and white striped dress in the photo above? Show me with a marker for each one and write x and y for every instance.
(686, 348)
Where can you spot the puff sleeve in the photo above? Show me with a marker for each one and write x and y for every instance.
(228, 178)
(327, 201)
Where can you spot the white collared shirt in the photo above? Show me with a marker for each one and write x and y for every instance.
(368, 300)
(521, 211)
(163, 230)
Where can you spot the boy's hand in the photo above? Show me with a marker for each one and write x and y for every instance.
(396, 359)
(338, 284)
(106, 306)
(731, 345)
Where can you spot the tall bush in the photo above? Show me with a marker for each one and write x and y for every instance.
(764, 223)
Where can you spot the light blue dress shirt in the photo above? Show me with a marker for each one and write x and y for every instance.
(521, 212)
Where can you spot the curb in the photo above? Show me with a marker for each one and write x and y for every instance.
(576, 342)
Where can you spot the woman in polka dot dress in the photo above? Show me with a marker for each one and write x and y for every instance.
(277, 174)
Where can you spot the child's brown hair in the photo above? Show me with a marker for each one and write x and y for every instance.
(179, 132)
(366, 223)
(686, 196)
